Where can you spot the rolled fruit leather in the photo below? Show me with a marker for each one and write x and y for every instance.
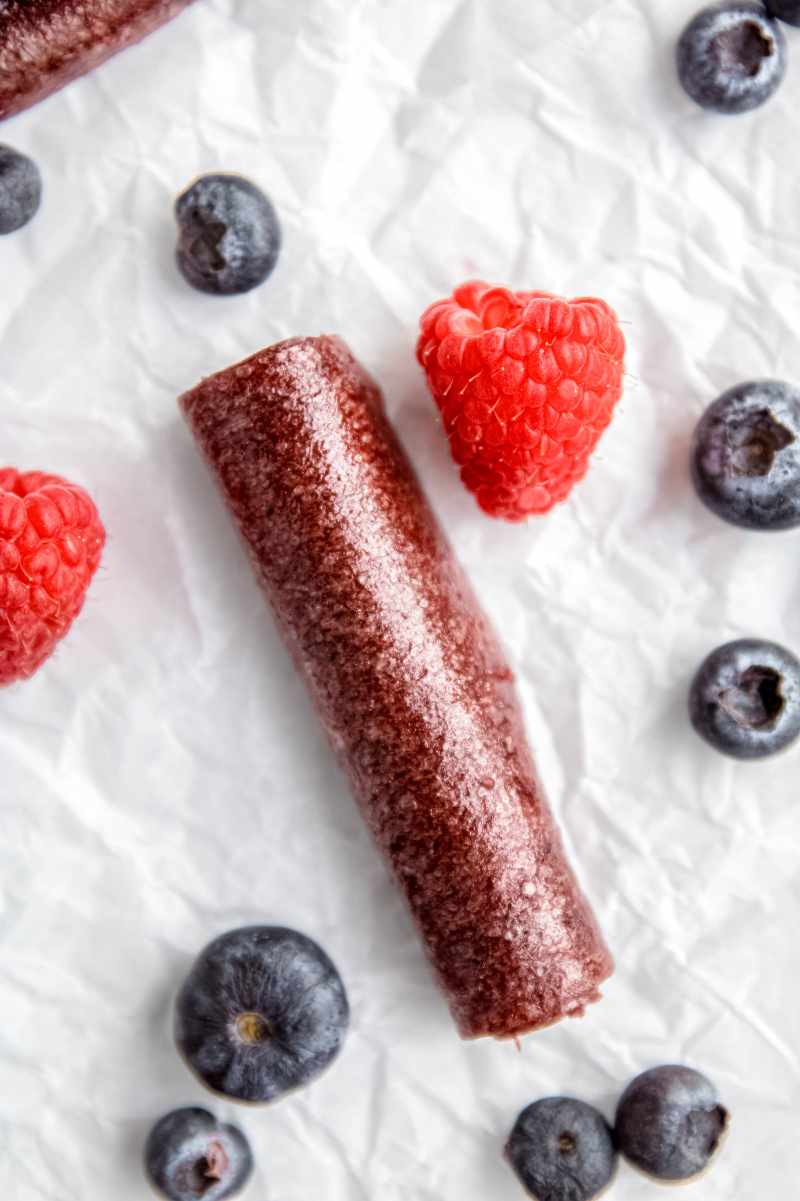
(408, 679)
(45, 44)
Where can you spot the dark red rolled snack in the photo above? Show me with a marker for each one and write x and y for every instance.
(45, 44)
(408, 678)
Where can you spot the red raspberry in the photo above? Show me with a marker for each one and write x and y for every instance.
(526, 383)
(50, 543)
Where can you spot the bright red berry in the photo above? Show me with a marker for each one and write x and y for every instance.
(526, 383)
(51, 538)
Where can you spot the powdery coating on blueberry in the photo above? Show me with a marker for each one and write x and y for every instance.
(670, 1123)
(785, 10)
(229, 237)
(745, 699)
(189, 1156)
(409, 681)
(731, 57)
(562, 1150)
(263, 1011)
(746, 456)
(20, 189)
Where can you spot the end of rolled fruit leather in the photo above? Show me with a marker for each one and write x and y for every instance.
(49, 43)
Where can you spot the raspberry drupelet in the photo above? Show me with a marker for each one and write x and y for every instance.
(525, 382)
(409, 680)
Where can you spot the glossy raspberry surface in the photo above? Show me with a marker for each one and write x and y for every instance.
(525, 382)
(45, 44)
(51, 539)
(409, 680)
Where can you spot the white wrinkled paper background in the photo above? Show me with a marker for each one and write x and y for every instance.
(163, 778)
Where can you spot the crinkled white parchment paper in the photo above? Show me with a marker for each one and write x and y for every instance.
(163, 778)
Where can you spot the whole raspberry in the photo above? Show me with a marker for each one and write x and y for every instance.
(51, 538)
(526, 383)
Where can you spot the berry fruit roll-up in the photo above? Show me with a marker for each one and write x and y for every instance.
(408, 679)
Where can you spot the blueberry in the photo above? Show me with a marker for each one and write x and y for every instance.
(745, 699)
(262, 1011)
(562, 1150)
(731, 56)
(228, 235)
(746, 456)
(670, 1123)
(785, 10)
(189, 1155)
(20, 189)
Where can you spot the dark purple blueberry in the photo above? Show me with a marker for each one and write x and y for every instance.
(229, 237)
(746, 456)
(562, 1150)
(745, 699)
(263, 1011)
(785, 10)
(190, 1155)
(670, 1123)
(20, 189)
(731, 56)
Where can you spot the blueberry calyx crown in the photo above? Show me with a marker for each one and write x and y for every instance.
(755, 441)
(253, 1028)
(755, 701)
(743, 48)
(207, 1171)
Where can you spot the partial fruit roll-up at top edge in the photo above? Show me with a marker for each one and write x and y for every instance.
(408, 679)
(45, 44)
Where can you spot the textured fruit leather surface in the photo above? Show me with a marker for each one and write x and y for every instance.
(407, 677)
(45, 44)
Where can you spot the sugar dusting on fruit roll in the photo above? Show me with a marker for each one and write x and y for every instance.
(45, 44)
(408, 679)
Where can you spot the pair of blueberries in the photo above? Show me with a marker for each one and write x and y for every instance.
(262, 1012)
(669, 1124)
(745, 698)
(229, 236)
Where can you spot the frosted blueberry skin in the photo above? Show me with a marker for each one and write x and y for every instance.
(746, 456)
(229, 237)
(745, 699)
(20, 190)
(670, 1123)
(263, 1011)
(189, 1155)
(785, 10)
(731, 57)
(562, 1150)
